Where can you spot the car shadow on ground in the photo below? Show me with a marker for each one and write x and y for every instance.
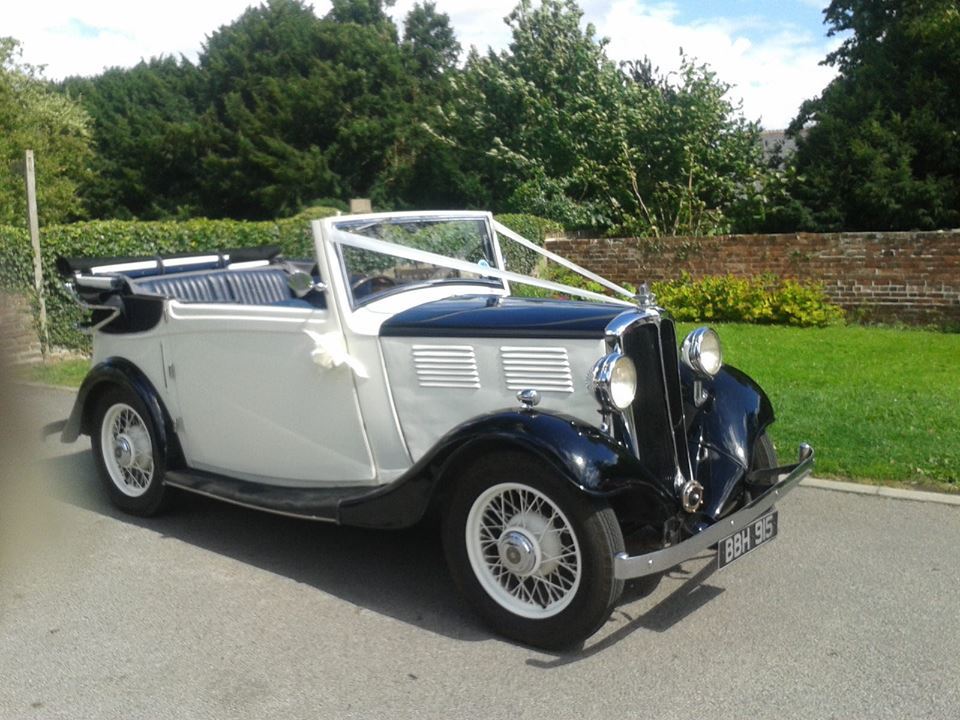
(353, 564)
(678, 605)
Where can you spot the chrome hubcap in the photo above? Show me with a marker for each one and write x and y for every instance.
(519, 553)
(123, 451)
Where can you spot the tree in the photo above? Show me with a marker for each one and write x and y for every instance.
(429, 42)
(419, 171)
(145, 129)
(879, 149)
(298, 107)
(553, 127)
(32, 116)
(696, 166)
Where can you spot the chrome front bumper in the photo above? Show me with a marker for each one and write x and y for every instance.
(626, 566)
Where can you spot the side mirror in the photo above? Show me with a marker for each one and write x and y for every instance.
(302, 283)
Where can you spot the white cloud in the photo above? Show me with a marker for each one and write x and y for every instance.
(773, 74)
(83, 37)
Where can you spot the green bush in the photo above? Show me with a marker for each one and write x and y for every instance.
(535, 229)
(326, 203)
(764, 299)
(317, 212)
(116, 238)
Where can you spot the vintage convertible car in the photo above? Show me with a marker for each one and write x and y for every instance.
(425, 364)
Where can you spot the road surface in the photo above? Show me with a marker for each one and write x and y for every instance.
(214, 611)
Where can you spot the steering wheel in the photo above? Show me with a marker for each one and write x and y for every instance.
(370, 285)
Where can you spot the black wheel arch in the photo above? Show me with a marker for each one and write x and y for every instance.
(578, 452)
(120, 372)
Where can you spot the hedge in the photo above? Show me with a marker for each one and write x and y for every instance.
(762, 299)
(133, 238)
(765, 299)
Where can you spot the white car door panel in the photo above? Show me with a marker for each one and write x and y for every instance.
(256, 402)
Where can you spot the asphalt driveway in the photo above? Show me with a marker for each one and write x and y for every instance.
(214, 611)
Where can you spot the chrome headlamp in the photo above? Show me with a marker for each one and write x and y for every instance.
(615, 381)
(701, 352)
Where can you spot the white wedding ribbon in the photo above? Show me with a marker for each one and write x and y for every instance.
(330, 351)
(344, 237)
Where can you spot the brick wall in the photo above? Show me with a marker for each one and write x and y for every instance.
(18, 336)
(911, 277)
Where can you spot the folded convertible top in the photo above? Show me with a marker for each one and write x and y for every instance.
(160, 264)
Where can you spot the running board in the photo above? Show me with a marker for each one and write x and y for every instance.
(306, 503)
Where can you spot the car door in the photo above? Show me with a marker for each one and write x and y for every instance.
(257, 400)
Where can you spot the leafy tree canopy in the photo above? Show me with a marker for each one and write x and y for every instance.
(34, 117)
(144, 124)
(879, 149)
(429, 41)
(284, 107)
(552, 126)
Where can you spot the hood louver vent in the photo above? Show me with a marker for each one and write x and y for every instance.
(446, 366)
(545, 369)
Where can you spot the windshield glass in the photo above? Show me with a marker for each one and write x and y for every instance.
(372, 273)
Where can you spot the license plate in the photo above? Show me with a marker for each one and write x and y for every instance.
(759, 532)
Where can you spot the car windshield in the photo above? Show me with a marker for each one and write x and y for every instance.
(372, 273)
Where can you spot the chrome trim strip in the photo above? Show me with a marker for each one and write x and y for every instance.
(626, 567)
(109, 282)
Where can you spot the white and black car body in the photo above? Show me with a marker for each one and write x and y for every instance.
(567, 445)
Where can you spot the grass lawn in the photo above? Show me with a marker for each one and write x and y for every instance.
(64, 372)
(878, 404)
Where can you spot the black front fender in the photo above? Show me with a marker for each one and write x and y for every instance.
(723, 432)
(576, 451)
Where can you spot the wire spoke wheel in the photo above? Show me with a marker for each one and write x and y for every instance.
(523, 550)
(127, 450)
(529, 550)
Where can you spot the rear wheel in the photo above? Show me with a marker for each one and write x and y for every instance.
(532, 555)
(128, 453)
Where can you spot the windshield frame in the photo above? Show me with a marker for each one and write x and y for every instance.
(498, 280)
(343, 224)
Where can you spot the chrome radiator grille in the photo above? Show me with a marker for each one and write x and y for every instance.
(657, 412)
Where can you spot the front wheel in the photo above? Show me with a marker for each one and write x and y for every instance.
(533, 555)
(128, 453)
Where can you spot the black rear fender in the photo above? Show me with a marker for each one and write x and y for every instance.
(118, 372)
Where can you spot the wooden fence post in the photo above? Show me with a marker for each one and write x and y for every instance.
(35, 240)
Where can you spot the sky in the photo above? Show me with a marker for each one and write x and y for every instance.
(769, 50)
